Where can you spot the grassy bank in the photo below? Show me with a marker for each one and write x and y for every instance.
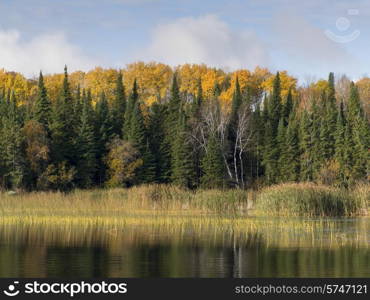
(285, 199)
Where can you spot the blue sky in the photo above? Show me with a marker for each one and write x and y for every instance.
(298, 36)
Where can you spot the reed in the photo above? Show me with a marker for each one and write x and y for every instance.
(309, 199)
(304, 199)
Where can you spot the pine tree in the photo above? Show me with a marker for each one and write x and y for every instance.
(235, 105)
(119, 106)
(287, 107)
(157, 142)
(137, 134)
(213, 165)
(339, 143)
(290, 152)
(270, 153)
(62, 126)
(103, 133)
(305, 147)
(272, 114)
(181, 160)
(172, 112)
(331, 115)
(42, 109)
(281, 159)
(174, 106)
(86, 147)
(134, 96)
(316, 142)
(11, 141)
(274, 104)
(360, 130)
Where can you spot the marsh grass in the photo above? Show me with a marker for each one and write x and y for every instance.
(115, 202)
(285, 199)
(308, 199)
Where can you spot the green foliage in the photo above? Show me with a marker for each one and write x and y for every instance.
(42, 108)
(182, 172)
(119, 106)
(130, 105)
(213, 165)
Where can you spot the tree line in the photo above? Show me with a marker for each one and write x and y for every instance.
(188, 139)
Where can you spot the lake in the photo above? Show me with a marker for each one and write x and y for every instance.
(186, 246)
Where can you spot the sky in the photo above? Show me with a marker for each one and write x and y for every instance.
(309, 39)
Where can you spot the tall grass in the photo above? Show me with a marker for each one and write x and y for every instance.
(308, 199)
(285, 199)
(115, 202)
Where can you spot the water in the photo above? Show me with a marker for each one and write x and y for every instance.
(178, 247)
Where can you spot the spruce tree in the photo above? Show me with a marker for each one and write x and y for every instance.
(305, 147)
(274, 104)
(340, 143)
(182, 172)
(12, 141)
(213, 165)
(280, 140)
(174, 106)
(157, 142)
(119, 106)
(103, 133)
(290, 153)
(287, 107)
(86, 165)
(360, 130)
(130, 105)
(42, 109)
(137, 134)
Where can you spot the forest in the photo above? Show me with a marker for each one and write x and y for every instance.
(191, 126)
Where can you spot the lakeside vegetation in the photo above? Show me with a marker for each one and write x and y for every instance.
(285, 199)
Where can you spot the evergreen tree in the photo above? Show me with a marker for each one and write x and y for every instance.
(270, 144)
(86, 147)
(11, 145)
(280, 139)
(340, 143)
(42, 109)
(287, 107)
(360, 131)
(103, 133)
(119, 106)
(181, 160)
(158, 143)
(62, 126)
(270, 154)
(137, 134)
(290, 153)
(134, 96)
(274, 104)
(174, 106)
(213, 165)
(305, 147)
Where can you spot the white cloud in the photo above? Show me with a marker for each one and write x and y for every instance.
(206, 39)
(48, 52)
(309, 50)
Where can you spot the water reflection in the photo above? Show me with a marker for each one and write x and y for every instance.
(205, 248)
